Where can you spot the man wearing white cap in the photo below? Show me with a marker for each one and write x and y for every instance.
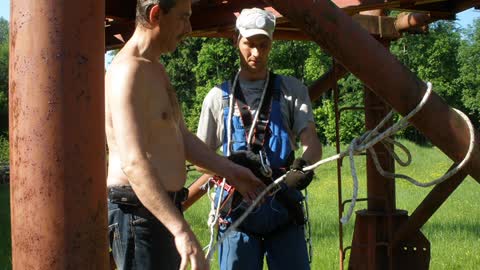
(258, 113)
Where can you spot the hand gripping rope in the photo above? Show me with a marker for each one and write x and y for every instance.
(358, 146)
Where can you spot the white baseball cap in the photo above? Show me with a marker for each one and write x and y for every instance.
(255, 21)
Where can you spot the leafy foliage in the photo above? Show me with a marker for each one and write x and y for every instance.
(469, 59)
(4, 37)
(441, 58)
(4, 150)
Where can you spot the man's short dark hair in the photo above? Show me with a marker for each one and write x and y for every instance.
(144, 7)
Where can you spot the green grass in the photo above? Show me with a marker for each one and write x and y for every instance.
(5, 242)
(454, 230)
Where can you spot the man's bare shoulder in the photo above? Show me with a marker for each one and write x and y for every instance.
(124, 67)
(129, 73)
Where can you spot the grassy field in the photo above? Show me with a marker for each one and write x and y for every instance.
(454, 231)
(5, 257)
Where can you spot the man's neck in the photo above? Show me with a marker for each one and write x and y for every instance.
(144, 42)
(253, 76)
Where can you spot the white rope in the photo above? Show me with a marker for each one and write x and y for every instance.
(213, 219)
(442, 178)
(359, 145)
(257, 113)
(232, 108)
(213, 222)
(250, 208)
(230, 115)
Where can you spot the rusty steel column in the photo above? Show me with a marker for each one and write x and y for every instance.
(367, 59)
(380, 189)
(374, 226)
(57, 141)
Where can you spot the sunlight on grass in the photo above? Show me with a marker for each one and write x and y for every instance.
(454, 230)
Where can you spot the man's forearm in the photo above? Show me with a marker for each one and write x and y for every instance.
(312, 153)
(198, 153)
(312, 147)
(154, 197)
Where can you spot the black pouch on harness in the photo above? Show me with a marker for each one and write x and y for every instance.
(252, 161)
(294, 207)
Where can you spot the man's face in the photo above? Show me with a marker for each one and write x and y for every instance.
(175, 24)
(254, 53)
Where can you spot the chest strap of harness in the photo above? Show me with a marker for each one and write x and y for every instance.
(261, 130)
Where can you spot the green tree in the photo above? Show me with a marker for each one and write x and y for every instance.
(4, 75)
(179, 67)
(288, 57)
(217, 61)
(316, 64)
(433, 57)
(469, 58)
(3, 30)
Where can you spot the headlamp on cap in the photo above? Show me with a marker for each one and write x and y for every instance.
(256, 21)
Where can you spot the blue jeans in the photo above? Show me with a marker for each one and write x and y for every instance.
(138, 240)
(267, 231)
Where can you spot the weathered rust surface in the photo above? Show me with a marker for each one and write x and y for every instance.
(372, 251)
(217, 18)
(57, 141)
(195, 191)
(339, 36)
(412, 22)
(378, 186)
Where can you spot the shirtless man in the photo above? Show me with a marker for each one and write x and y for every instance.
(148, 145)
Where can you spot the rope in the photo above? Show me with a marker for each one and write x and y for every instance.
(250, 208)
(359, 145)
(212, 220)
(308, 228)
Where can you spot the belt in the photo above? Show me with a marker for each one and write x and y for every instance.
(126, 195)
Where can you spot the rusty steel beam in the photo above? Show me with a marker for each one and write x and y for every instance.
(460, 6)
(407, 21)
(224, 13)
(381, 26)
(355, 6)
(342, 38)
(224, 26)
(435, 198)
(57, 137)
(196, 190)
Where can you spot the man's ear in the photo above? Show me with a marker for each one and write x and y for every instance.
(155, 13)
(235, 39)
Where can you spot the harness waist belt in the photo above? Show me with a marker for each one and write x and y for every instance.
(126, 195)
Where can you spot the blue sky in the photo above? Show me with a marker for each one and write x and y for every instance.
(465, 18)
